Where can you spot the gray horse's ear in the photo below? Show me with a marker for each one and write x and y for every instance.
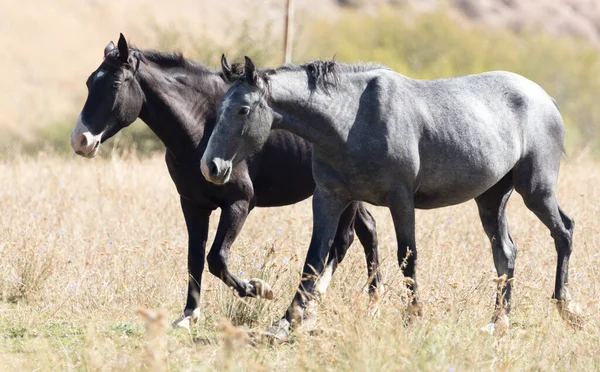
(109, 48)
(249, 64)
(250, 70)
(123, 49)
(225, 69)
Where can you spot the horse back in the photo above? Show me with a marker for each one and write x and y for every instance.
(475, 129)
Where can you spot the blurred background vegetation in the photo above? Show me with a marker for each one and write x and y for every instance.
(422, 45)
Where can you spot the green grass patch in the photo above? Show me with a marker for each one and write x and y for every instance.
(126, 329)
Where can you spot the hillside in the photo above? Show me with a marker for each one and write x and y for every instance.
(49, 48)
(578, 18)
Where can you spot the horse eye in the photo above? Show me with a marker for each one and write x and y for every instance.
(244, 111)
(116, 85)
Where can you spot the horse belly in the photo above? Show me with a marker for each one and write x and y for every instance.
(445, 184)
(466, 152)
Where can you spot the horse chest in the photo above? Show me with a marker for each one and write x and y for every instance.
(192, 185)
(355, 177)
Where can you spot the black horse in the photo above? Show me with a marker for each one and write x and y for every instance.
(177, 99)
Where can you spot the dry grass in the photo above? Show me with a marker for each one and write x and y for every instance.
(86, 244)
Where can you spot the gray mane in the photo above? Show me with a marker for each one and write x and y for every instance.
(322, 74)
(326, 74)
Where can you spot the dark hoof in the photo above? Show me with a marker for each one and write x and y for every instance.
(279, 332)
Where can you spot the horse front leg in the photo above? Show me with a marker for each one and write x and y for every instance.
(196, 220)
(402, 208)
(327, 209)
(231, 222)
(357, 218)
(342, 241)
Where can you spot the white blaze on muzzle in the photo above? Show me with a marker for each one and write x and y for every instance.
(83, 142)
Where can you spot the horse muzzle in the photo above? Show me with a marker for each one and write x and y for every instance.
(217, 170)
(83, 142)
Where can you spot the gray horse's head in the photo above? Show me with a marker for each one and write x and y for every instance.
(243, 124)
(114, 99)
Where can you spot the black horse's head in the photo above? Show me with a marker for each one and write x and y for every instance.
(114, 99)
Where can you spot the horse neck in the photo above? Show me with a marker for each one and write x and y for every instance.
(308, 114)
(180, 107)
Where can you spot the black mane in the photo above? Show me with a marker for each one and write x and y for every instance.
(161, 59)
(172, 60)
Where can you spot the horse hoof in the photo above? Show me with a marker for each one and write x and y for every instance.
(373, 310)
(279, 332)
(488, 329)
(501, 325)
(497, 328)
(571, 312)
(185, 321)
(261, 289)
(415, 312)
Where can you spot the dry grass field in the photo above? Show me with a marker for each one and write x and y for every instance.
(93, 254)
(85, 244)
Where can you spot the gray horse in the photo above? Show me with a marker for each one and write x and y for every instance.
(393, 141)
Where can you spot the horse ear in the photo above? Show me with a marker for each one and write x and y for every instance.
(250, 70)
(109, 48)
(123, 49)
(226, 69)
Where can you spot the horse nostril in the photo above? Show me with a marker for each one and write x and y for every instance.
(83, 142)
(213, 169)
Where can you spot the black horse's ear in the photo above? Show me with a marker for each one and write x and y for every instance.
(123, 49)
(225, 69)
(109, 48)
(250, 71)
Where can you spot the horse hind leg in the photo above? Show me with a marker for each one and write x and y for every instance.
(538, 191)
(366, 230)
(492, 212)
